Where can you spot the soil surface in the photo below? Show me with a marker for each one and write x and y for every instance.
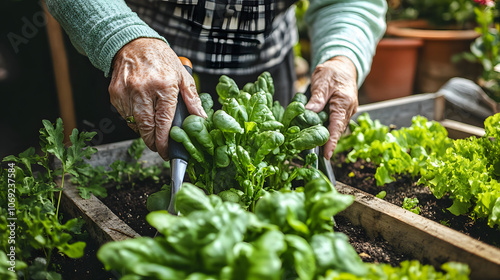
(360, 175)
(370, 250)
(129, 204)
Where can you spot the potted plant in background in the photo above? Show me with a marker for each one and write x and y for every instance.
(485, 50)
(446, 28)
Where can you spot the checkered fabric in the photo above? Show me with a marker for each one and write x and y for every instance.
(238, 37)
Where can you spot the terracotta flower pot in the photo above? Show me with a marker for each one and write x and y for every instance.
(435, 65)
(393, 69)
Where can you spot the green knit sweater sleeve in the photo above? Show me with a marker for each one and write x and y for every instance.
(99, 28)
(350, 28)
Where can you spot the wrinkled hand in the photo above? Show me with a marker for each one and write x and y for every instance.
(334, 82)
(147, 76)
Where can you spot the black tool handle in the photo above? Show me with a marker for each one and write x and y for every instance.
(176, 149)
(307, 93)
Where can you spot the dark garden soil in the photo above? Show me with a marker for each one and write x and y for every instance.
(370, 250)
(361, 175)
(129, 204)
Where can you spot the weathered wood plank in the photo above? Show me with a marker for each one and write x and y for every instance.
(102, 224)
(458, 130)
(422, 238)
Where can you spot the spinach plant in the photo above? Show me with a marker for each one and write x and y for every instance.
(248, 146)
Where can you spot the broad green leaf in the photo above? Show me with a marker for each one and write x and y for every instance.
(333, 251)
(191, 199)
(303, 256)
(140, 251)
(74, 250)
(275, 208)
(459, 207)
(159, 200)
(495, 213)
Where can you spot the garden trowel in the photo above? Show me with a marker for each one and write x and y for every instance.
(323, 164)
(178, 155)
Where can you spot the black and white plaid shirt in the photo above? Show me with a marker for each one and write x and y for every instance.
(236, 37)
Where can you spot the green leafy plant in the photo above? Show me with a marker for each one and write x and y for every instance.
(397, 151)
(250, 144)
(71, 158)
(34, 201)
(134, 170)
(381, 194)
(411, 204)
(35, 198)
(468, 172)
(445, 222)
(290, 236)
(407, 270)
(486, 48)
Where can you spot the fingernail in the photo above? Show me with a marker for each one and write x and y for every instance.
(311, 106)
(329, 155)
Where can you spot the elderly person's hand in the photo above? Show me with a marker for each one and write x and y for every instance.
(147, 76)
(334, 82)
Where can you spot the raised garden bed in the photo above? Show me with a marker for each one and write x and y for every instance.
(413, 236)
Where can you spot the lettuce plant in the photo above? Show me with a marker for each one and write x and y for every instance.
(397, 151)
(468, 172)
